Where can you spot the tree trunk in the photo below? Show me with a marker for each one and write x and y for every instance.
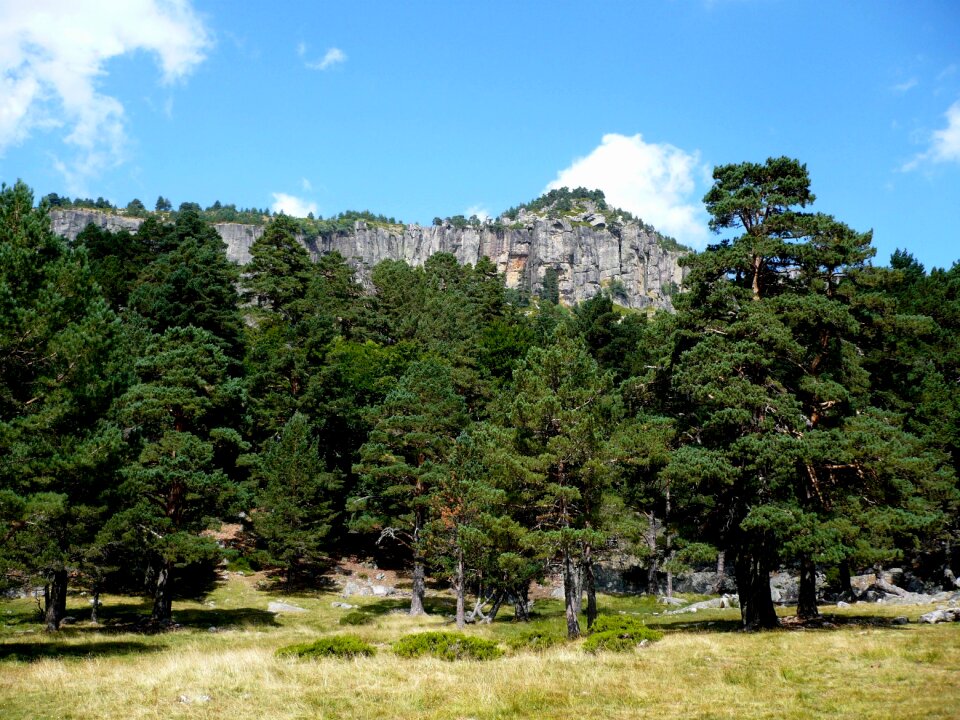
(753, 584)
(846, 583)
(419, 573)
(669, 545)
(55, 600)
(591, 583)
(653, 584)
(721, 571)
(163, 594)
(459, 582)
(521, 603)
(495, 608)
(419, 586)
(95, 607)
(571, 588)
(576, 584)
(807, 602)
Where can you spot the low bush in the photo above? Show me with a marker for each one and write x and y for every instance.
(336, 646)
(446, 646)
(355, 618)
(618, 633)
(537, 639)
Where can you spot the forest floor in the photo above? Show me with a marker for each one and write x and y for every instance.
(220, 662)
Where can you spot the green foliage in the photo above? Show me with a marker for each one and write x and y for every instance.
(618, 633)
(355, 617)
(295, 501)
(335, 646)
(538, 639)
(561, 200)
(60, 368)
(278, 273)
(191, 283)
(446, 646)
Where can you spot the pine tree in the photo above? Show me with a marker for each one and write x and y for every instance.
(406, 458)
(179, 482)
(296, 503)
(58, 371)
(560, 410)
(768, 382)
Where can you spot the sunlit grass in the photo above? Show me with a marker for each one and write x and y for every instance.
(699, 670)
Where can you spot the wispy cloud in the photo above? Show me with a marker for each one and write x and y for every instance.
(479, 210)
(944, 144)
(52, 56)
(905, 86)
(306, 185)
(292, 205)
(947, 71)
(656, 181)
(333, 56)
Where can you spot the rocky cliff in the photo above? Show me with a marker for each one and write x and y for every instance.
(587, 250)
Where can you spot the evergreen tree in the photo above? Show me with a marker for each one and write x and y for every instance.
(58, 371)
(296, 503)
(406, 458)
(561, 411)
(178, 483)
(191, 283)
(278, 274)
(765, 368)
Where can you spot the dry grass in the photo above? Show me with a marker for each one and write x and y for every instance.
(855, 670)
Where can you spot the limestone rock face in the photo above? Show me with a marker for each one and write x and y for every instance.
(588, 254)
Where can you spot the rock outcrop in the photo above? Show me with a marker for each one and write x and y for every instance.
(70, 223)
(586, 254)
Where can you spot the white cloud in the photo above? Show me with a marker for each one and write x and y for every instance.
(944, 144)
(292, 205)
(334, 56)
(306, 185)
(52, 53)
(656, 181)
(905, 85)
(479, 210)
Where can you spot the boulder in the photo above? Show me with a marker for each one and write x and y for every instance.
(282, 607)
(724, 601)
(664, 600)
(941, 615)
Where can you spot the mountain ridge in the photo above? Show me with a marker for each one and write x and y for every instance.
(589, 247)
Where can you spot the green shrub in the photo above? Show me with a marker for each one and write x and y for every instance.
(618, 633)
(355, 617)
(446, 646)
(538, 639)
(336, 646)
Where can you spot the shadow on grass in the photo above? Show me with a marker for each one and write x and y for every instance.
(30, 652)
(215, 617)
(302, 587)
(433, 606)
(134, 617)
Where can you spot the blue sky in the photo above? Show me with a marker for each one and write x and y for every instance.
(416, 109)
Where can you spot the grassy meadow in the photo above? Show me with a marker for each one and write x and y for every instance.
(222, 663)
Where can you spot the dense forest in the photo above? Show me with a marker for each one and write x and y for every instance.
(799, 409)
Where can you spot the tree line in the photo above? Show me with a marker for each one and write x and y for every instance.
(799, 409)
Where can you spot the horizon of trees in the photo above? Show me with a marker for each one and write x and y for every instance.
(799, 409)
